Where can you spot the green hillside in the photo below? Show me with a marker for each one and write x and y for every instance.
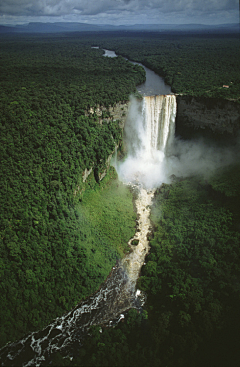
(54, 250)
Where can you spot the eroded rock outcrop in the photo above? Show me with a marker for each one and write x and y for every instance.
(118, 112)
(207, 115)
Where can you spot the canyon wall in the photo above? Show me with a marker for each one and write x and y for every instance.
(207, 116)
(196, 117)
(118, 113)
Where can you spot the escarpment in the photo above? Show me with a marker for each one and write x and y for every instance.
(117, 113)
(207, 116)
(196, 116)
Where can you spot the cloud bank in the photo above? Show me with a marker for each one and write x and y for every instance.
(121, 11)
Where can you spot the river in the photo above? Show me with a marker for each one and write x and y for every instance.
(117, 295)
(119, 292)
(153, 85)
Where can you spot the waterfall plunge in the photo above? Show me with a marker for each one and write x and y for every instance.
(149, 132)
(159, 116)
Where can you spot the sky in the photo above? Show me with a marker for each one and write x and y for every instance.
(120, 12)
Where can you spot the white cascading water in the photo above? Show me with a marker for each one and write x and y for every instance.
(160, 112)
(149, 133)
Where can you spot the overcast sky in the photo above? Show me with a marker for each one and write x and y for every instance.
(120, 11)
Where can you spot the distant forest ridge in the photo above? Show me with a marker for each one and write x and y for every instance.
(58, 27)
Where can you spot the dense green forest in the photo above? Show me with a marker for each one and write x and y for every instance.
(61, 236)
(192, 64)
(58, 239)
(191, 278)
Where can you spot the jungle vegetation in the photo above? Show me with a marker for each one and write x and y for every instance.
(56, 247)
(59, 236)
(192, 64)
(191, 279)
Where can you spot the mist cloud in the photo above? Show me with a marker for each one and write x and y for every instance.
(183, 158)
(198, 157)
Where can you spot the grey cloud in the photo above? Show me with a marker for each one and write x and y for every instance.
(190, 5)
(32, 7)
(104, 7)
(62, 7)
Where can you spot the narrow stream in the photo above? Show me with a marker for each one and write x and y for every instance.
(116, 295)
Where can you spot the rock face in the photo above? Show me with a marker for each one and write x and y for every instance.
(86, 173)
(196, 116)
(207, 116)
(118, 112)
(101, 174)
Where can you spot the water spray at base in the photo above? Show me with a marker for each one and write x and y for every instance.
(149, 133)
(148, 142)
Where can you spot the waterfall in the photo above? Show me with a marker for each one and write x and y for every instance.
(149, 133)
(160, 112)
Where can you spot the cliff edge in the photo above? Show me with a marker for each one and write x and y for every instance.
(207, 116)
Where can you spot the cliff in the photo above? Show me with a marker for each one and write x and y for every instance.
(207, 116)
(117, 113)
(196, 116)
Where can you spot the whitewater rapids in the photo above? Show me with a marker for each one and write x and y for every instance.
(116, 295)
(149, 133)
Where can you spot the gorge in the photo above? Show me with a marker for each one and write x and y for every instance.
(214, 116)
(150, 161)
(153, 134)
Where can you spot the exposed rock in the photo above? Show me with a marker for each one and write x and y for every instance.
(218, 116)
(77, 190)
(118, 112)
(195, 115)
(86, 173)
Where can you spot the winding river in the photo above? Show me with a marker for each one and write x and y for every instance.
(119, 292)
(153, 85)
